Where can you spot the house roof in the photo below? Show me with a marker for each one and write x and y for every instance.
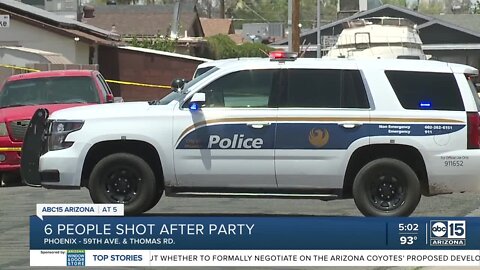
(52, 57)
(450, 26)
(467, 21)
(63, 25)
(143, 20)
(212, 27)
(423, 21)
(237, 38)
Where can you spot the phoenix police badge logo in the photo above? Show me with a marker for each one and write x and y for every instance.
(318, 137)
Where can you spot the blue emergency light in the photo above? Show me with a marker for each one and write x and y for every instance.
(193, 106)
(425, 104)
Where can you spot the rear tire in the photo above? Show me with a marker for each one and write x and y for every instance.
(386, 187)
(123, 178)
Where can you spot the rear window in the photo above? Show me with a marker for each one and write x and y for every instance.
(426, 90)
(52, 90)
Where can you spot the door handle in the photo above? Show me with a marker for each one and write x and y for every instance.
(259, 125)
(350, 125)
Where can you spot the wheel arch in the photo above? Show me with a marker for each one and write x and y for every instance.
(142, 149)
(406, 153)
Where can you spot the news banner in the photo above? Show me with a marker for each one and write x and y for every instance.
(99, 235)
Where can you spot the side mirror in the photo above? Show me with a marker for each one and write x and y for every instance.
(197, 101)
(110, 98)
(177, 84)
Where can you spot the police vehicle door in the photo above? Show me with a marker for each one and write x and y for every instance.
(229, 141)
(322, 113)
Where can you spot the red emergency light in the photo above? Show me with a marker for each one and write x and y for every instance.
(282, 56)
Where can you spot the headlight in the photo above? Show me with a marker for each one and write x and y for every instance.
(3, 129)
(59, 131)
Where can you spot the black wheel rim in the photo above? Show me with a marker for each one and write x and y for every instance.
(387, 192)
(121, 184)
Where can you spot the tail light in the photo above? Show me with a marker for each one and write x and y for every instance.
(473, 126)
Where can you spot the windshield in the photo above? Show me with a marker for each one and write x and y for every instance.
(200, 71)
(181, 94)
(51, 90)
(197, 79)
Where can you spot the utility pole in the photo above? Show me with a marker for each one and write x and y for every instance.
(293, 25)
(175, 19)
(319, 37)
(222, 9)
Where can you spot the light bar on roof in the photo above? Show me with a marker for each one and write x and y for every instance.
(282, 56)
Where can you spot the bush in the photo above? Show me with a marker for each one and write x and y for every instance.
(221, 47)
(160, 43)
(253, 50)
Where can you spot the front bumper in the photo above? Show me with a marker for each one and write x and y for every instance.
(10, 153)
(61, 168)
(33, 147)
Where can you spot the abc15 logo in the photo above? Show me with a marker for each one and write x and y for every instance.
(451, 229)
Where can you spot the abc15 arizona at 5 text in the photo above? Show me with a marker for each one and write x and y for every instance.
(448, 232)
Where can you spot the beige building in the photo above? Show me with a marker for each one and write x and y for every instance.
(35, 28)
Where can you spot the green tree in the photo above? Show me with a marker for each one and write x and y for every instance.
(476, 7)
(308, 12)
(398, 3)
(433, 9)
(133, 2)
(246, 11)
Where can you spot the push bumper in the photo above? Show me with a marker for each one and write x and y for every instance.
(33, 147)
(50, 169)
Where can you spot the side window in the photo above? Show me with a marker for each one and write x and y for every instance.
(102, 87)
(354, 94)
(242, 89)
(325, 88)
(426, 90)
(105, 88)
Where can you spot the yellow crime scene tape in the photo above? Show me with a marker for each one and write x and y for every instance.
(10, 149)
(110, 81)
(20, 68)
(138, 84)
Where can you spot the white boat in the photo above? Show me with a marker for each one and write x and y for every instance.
(378, 37)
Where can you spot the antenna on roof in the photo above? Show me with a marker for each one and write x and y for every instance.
(264, 52)
(302, 53)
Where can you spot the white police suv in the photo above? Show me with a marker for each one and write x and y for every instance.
(381, 131)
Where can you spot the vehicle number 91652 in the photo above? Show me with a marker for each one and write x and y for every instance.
(453, 163)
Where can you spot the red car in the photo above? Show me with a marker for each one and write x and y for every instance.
(21, 95)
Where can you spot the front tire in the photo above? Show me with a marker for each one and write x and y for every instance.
(11, 179)
(386, 187)
(123, 178)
